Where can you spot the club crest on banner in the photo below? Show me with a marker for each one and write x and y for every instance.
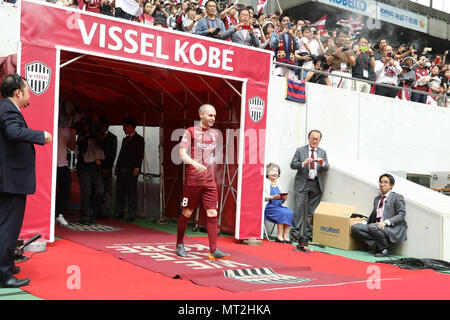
(263, 276)
(256, 107)
(38, 76)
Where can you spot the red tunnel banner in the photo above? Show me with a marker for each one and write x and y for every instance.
(46, 30)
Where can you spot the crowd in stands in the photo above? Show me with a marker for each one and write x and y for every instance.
(342, 53)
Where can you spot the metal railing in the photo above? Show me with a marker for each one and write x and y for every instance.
(442, 98)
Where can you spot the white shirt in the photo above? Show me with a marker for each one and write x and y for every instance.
(187, 22)
(130, 7)
(312, 174)
(380, 211)
(387, 74)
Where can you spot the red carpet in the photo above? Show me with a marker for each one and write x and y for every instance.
(106, 277)
(155, 251)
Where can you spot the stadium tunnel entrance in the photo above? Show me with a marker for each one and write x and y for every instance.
(160, 77)
(167, 100)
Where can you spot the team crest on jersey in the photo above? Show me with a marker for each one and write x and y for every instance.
(263, 276)
(38, 77)
(256, 107)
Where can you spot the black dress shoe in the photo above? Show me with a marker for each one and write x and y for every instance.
(13, 282)
(383, 253)
(15, 270)
(287, 241)
(278, 240)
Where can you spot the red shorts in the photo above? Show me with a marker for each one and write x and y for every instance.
(196, 196)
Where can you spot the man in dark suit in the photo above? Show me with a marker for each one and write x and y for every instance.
(310, 161)
(17, 172)
(386, 224)
(127, 170)
(108, 143)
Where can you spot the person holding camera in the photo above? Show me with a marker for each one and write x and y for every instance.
(364, 66)
(313, 45)
(387, 70)
(405, 80)
(190, 20)
(316, 77)
(284, 43)
(210, 26)
(341, 60)
(244, 32)
(161, 13)
(421, 83)
(229, 15)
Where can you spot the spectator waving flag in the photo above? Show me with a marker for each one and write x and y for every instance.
(320, 24)
(354, 25)
(261, 5)
(296, 90)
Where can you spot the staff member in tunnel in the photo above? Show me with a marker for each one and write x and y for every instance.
(17, 172)
(197, 150)
(127, 170)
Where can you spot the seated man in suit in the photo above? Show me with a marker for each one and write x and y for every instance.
(386, 224)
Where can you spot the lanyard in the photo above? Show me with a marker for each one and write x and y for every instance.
(362, 62)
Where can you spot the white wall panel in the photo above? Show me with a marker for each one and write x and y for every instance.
(335, 113)
(437, 28)
(364, 136)
(286, 131)
(9, 31)
(356, 183)
(446, 238)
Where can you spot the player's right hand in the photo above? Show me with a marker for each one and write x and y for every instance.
(199, 167)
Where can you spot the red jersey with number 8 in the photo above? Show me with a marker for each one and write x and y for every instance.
(200, 145)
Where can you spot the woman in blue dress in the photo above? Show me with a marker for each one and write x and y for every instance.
(274, 211)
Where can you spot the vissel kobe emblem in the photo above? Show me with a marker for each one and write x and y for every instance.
(38, 77)
(256, 107)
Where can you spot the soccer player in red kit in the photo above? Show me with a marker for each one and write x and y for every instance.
(197, 152)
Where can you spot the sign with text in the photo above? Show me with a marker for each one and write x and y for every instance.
(403, 18)
(47, 29)
(364, 7)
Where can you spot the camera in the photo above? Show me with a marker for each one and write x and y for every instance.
(216, 32)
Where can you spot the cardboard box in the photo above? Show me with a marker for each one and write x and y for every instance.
(331, 225)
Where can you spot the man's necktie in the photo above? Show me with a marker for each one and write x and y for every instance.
(381, 202)
(312, 163)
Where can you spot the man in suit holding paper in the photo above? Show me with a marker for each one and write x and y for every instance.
(310, 161)
(386, 224)
(17, 172)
